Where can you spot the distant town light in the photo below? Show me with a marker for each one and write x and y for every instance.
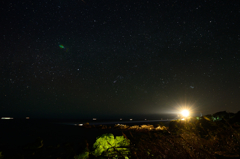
(80, 124)
(130, 119)
(6, 118)
(27, 117)
(94, 119)
(120, 118)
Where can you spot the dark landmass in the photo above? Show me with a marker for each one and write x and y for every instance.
(210, 136)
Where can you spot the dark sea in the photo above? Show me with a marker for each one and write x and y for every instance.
(18, 132)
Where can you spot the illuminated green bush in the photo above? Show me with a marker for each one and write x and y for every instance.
(110, 146)
(84, 155)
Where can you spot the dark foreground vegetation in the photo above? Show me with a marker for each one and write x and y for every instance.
(210, 136)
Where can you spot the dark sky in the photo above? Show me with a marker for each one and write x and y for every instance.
(119, 58)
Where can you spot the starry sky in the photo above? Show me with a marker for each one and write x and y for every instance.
(116, 58)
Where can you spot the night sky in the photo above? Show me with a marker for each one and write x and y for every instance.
(116, 58)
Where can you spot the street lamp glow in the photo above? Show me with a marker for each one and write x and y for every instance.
(185, 113)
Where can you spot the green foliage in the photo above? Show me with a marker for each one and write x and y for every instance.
(110, 146)
(84, 155)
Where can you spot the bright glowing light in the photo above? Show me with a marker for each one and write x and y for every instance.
(185, 113)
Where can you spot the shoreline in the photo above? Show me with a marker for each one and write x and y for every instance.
(19, 133)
